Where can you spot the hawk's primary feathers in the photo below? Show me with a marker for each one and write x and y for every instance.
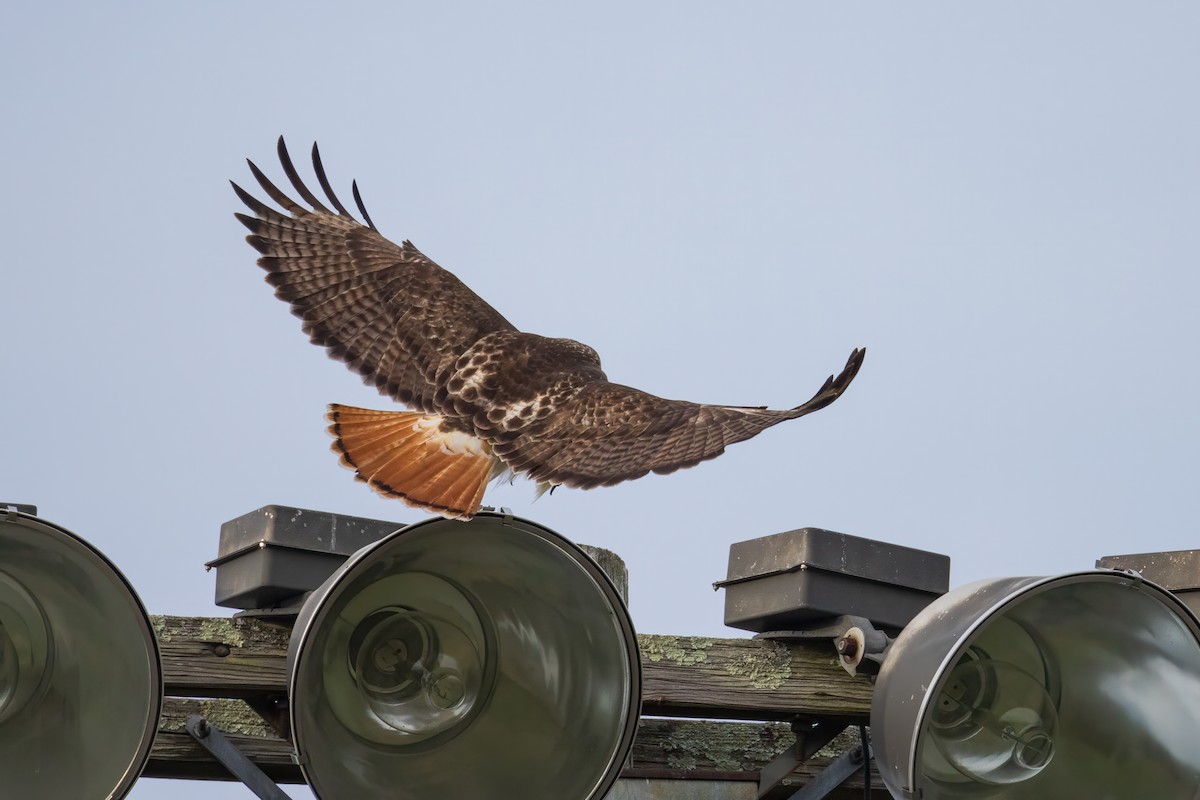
(486, 397)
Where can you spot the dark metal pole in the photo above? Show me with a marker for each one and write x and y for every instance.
(835, 774)
(234, 760)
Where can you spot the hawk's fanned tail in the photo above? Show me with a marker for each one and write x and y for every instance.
(412, 456)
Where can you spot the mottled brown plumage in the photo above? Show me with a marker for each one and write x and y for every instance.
(488, 397)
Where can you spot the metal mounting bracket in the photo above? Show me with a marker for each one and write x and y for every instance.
(810, 737)
(234, 760)
(835, 774)
(861, 648)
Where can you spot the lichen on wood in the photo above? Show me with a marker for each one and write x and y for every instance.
(681, 675)
(681, 650)
(230, 716)
(765, 668)
(726, 747)
(235, 632)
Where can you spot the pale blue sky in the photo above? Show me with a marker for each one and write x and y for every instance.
(1000, 201)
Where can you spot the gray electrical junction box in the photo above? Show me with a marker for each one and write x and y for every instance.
(798, 579)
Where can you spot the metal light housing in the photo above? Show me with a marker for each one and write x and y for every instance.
(801, 579)
(1177, 571)
(1079, 685)
(80, 678)
(482, 659)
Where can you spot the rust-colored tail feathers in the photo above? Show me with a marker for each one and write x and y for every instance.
(408, 455)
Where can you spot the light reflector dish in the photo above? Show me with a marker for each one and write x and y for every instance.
(1081, 685)
(80, 681)
(483, 659)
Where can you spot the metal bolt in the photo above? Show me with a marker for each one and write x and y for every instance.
(221, 649)
(847, 647)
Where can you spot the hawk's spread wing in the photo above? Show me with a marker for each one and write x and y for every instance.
(488, 395)
(386, 310)
(609, 433)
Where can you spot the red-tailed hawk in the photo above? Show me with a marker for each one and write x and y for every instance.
(489, 398)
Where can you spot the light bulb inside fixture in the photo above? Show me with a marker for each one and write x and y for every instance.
(1081, 685)
(418, 673)
(407, 659)
(993, 722)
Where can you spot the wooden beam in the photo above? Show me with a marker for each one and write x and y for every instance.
(664, 748)
(693, 676)
(683, 676)
(177, 755)
(214, 666)
(222, 657)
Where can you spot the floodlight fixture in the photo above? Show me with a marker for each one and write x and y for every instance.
(80, 677)
(1078, 685)
(481, 659)
(1177, 571)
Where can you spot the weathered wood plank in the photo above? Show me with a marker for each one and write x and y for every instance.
(682, 676)
(706, 748)
(735, 751)
(177, 755)
(235, 660)
(692, 676)
(664, 748)
(221, 657)
(680, 748)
